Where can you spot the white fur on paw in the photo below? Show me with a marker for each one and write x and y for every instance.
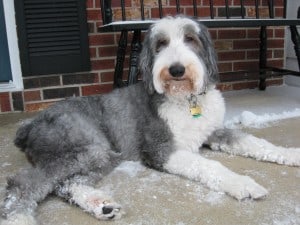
(105, 210)
(289, 156)
(19, 219)
(96, 202)
(243, 187)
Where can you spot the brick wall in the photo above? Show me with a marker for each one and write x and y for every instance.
(237, 49)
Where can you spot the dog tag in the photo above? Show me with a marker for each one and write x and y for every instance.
(196, 111)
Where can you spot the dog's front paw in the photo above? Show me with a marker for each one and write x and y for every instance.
(243, 187)
(105, 210)
(289, 157)
(95, 202)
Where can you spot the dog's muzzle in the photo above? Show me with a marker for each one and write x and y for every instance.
(177, 79)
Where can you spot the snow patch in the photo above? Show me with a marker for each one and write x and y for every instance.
(5, 164)
(131, 168)
(249, 119)
(214, 198)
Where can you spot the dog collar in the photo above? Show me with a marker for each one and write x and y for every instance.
(195, 109)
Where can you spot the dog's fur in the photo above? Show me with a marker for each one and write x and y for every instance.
(72, 144)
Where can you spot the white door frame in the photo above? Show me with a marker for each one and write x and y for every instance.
(17, 81)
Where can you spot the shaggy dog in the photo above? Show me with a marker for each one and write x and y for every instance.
(162, 121)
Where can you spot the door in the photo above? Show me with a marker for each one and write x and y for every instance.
(53, 36)
(5, 69)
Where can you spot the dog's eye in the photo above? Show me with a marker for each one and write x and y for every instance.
(160, 44)
(189, 39)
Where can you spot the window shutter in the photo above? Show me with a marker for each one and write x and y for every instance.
(52, 36)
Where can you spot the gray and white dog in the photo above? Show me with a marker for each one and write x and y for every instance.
(162, 121)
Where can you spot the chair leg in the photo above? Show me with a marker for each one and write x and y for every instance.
(262, 58)
(296, 40)
(135, 50)
(118, 75)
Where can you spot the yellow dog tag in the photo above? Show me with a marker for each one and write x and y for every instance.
(196, 111)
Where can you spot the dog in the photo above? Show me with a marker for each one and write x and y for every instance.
(161, 121)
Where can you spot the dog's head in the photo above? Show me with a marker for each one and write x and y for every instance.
(178, 57)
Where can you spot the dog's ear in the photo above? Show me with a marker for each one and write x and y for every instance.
(146, 63)
(210, 57)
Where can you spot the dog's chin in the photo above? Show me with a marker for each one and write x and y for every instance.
(178, 87)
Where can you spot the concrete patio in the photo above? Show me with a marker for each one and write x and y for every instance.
(153, 198)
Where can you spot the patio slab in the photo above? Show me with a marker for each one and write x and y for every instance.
(151, 198)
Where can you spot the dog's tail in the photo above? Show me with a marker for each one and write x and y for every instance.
(23, 192)
(22, 134)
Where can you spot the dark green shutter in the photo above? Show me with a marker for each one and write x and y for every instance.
(5, 70)
(52, 36)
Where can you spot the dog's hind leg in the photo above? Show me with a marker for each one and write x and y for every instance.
(24, 191)
(79, 190)
(239, 143)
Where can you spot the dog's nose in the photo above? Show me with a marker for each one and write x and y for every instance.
(177, 70)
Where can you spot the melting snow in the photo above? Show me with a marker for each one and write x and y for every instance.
(131, 168)
(259, 109)
(249, 119)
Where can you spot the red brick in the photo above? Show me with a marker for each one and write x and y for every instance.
(131, 14)
(245, 44)
(107, 76)
(245, 65)
(149, 3)
(263, 12)
(32, 96)
(166, 11)
(225, 67)
(276, 3)
(90, 3)
(216, 2)
(34, 107)
(91, 27)
(96, 89)
(275, 63)
(99, 23)
(274, 82)
(107, 51)
(93, 14)
(213, 33)
(97, 4)
(255, 33)
(223, 45)
(103, 64)
(246, 2)
(102, 39)
(93, 52)
(5, 102)
(278, 12)
(182, 3)
(245, 85)
(231, 34)
(115, 4)
(254, 54)
(201, 11)
(231, 55)
(224, 86)
(278, 43)
(279, 33)
(278, 53)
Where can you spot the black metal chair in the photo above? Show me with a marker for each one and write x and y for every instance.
(219, 17)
